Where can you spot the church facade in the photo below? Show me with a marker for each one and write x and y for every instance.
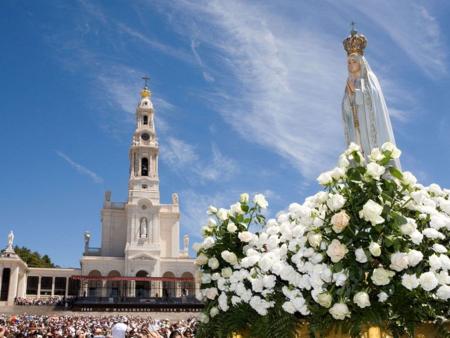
(140, 253)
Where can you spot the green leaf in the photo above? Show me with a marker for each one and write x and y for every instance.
(396, 173)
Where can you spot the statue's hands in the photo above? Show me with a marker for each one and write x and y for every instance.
(350, 86)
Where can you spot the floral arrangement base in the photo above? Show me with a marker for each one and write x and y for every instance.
(422, 331)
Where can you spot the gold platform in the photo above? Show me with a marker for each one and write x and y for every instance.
(422, 331)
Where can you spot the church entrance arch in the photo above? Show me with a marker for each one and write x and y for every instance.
(113, 286)
(187, 288)
(142, 287)
(169, 287)
(94, 286)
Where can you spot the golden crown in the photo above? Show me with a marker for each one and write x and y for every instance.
(355, 43)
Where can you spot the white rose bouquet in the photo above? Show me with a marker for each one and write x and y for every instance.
(372, 249)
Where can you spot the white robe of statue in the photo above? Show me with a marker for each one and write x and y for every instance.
(364, 110)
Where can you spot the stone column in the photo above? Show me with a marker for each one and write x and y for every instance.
(53, 286)
(66, 292)
(1, 277)
(22, 288)
(177, 289)
(13, 281)
(104, 291)
(39, 287)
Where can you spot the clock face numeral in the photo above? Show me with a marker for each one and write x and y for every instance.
(145, 136)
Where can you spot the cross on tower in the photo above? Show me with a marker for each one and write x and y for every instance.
(145, 78)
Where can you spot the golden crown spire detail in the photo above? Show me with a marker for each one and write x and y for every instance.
(355, 42)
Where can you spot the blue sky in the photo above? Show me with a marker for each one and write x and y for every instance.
(247, 97)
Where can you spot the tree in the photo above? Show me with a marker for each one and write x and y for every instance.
(34, 259)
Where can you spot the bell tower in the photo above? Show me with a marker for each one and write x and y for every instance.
(143, 155)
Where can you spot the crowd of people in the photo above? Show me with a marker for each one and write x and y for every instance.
(56, 300)
(40, 326)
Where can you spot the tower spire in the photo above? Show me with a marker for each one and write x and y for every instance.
(145, 92)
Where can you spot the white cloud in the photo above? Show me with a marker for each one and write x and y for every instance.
(80, 168)
(178, 154)
(219, 168)
(285, 83)
(183, 158)
(206, 75)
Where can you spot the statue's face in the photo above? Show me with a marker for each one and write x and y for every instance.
(353, 65)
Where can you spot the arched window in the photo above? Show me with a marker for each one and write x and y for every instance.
(145, 119)
(144, 167)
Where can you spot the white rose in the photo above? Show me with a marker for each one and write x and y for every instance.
(336, 250)
(375, 170)
(324, 299)
(289, 307)
(206, 278)
(261, 201)
(213, 312)
(409, 179)
(236, 209)
(375, 249)
(399, 261)
(201, 259)
(428, 281)
(203, 318)
(213, 263)
(231, 227)
(381, 276)
(211, 293)
(340, 311)
(371, 212)
(382, 297)
(414, 257)
(335, 201)
(339, 278)
(340, 221)
(352, 148)
(393, 151)
(409, 227)
(376, 155)
(227, 272)
(416, 237)
(212, 210)
(245, 236)
(445, 262)
(360, 255)
(314, 239)
(229, 257)
(209, 242)
(443, 292)
(325, 178)
(435, 262)
(212, 223)
(244, 198)
(433, 233)
(222, 214)
(337, 173)
(361, 299)
(343, 163)
(410, 281)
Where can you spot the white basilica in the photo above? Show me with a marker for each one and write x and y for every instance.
(140, 252)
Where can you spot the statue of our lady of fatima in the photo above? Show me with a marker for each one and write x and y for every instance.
(364, 110)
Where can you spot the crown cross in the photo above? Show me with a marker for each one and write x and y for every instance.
(355, 43)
